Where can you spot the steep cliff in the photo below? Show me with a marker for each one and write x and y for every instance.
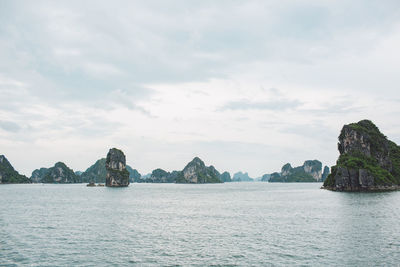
(368, 161)
(8, 175)
(60, 174)
(310, 171)
(196, 172)
(117, 175)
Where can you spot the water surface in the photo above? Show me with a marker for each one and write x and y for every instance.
(231, 224)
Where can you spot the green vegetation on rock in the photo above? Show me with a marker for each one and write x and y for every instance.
(8, 175)
(60, 174)
(368, 160)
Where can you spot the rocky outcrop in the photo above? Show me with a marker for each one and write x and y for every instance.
(8, 175)
(325, 173)
(225, 177)
(97, 173)
(117, 175)
(310, 171)
(160, 176)
(196, 172)
(60, 174)
(242, 177)
(38, 175)
(134, 175)
(368, 161)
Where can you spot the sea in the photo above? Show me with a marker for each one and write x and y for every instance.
(230, 224)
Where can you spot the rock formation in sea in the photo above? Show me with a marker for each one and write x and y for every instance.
(38, 175)
(265, 177)
(325, 173)
(117, 174)
(134, 175)
(368, 161)
(310, 171)
(225, 177)
(242, 177)
(8, 175)
(59, 174)
(97, 173)
(196, 172)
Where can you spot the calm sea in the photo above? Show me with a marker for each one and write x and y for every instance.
(231, 224)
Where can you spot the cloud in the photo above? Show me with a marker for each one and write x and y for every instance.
(266, 105)
(243, 82)
(9, 126)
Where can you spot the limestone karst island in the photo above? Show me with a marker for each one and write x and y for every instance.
(368, 161)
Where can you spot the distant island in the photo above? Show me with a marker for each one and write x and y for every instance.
(368, 161)
(195, 172)
(310, 171)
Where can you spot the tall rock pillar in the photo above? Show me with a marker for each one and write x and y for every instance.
(117, 174)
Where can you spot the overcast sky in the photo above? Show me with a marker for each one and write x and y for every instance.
(244, 85)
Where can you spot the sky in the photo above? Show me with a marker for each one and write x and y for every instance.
(245, 85)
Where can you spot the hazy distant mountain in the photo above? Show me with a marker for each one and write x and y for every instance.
(310, 171)
(265, 177)
(8, 174)
(242, 177)
(225, 177)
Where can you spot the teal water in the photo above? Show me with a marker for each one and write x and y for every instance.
(231, 224)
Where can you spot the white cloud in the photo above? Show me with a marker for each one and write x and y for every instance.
(169, 81)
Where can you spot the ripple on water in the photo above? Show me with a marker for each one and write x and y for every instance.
(232, 224)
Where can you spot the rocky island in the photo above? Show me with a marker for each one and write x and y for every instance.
(310, 171)
(117, 174)
(8, 175)
(97, 173)
(196, 172)
(368, 161)
(59, 173)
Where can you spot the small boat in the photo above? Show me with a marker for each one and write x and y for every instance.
(100, 184)
(91, 184)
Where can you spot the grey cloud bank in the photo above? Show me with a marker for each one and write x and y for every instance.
(169, 81)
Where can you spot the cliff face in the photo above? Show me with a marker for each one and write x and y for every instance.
(38, 175)
(310, 171)
(368, 161)
(325, 173)
(60, 174)
(117, 175)
(8, 175)
(196, 172)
